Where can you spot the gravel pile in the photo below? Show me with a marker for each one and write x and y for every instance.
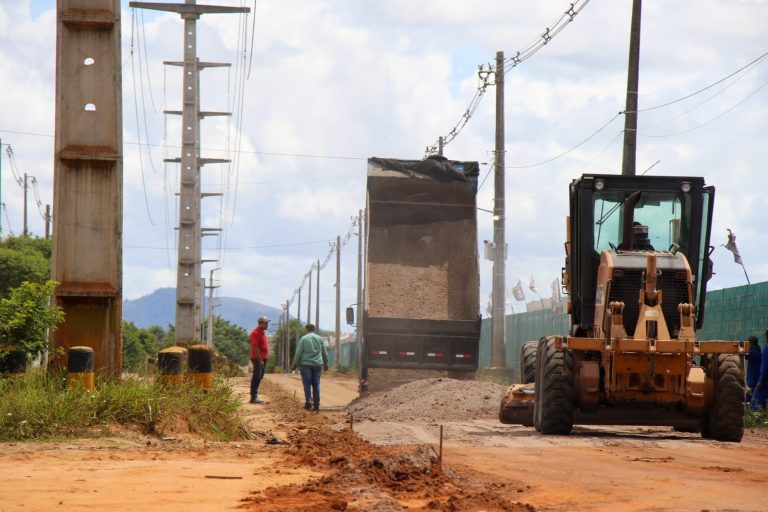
(431, 400)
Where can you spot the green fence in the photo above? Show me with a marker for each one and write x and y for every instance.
(730, 314)
(348, 355)
(736, 313)
(520, 328)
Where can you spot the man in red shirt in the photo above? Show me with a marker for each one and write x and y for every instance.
(259, 356)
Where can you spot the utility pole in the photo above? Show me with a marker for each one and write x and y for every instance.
(317, 298)
(338, 301)
(188, 278)
(47, 222)
(358, 308)
(498, 328)
(26, 187)
(309, 295)
(298, 317)
(633, 75)
(287, 337)
(440, 146)
(210, 287)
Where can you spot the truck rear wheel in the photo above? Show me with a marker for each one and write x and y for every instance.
(725, 420)
(528, 362)
(555, 401)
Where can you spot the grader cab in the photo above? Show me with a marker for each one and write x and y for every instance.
(636, 271)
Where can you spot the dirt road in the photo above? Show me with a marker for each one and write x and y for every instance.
(301, 461)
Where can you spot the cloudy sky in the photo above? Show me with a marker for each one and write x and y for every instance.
(319, 86)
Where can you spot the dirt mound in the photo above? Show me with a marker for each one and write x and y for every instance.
(428, 400)
(360, 476)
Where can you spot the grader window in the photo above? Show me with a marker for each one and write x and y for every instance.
(661, 220)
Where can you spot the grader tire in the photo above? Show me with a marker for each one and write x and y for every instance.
(537, 388)
(726, 415)
(528, 362)
(556, 397)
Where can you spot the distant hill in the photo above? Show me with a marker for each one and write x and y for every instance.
(158, 308)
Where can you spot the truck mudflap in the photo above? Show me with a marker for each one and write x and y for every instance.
(408, 343)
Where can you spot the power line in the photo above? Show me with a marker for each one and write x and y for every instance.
(510, 63)
(731, 109)
(573, 148)
(752, 63)
(138, 126)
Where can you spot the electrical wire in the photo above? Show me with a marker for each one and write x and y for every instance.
(38, 202)
(752, 63)
(493, 166)
(573, 148)
(138, 126)
(731, 109)
(509, 64)
(8, 220)
(143, 43)
(253, 36)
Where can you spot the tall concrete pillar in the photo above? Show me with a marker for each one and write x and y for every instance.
(88, 178)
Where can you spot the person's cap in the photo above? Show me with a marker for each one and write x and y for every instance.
(263, 319)
(752, 339)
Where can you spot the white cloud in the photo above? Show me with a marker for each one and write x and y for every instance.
(356, 79)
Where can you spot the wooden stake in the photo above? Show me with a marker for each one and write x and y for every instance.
(440, 455)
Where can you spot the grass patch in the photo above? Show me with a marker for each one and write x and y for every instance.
(756, 419)
(38, 405)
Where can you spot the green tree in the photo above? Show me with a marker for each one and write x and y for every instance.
(23, 259)
(231, 341)
(134, 353)
(26, 315)
(293, 328)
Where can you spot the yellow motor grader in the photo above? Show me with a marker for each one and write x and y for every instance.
(636, 269)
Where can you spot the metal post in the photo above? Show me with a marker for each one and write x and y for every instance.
(338, 301)
(309, 295)
(358, 308)
(287, 337)
(47, 222)
(298, 317)
(26, 231)
(210, 306)
(440, 146)
(633, 75)
(317, 298)
(498, 334)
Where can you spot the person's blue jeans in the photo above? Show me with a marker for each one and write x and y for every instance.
(758, 398)
(310, 377)
(258, 374)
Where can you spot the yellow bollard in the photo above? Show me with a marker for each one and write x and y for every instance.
(170, 364)
(80, 368)
(200, 367)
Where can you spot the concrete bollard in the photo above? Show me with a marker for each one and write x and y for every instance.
(80, 368)
(170, 364)
(200, 365)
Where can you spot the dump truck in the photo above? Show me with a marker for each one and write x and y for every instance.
(421, 299)
(636, 270)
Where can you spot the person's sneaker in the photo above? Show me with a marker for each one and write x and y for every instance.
(307, 407)
(316, 408)
(256, 401)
